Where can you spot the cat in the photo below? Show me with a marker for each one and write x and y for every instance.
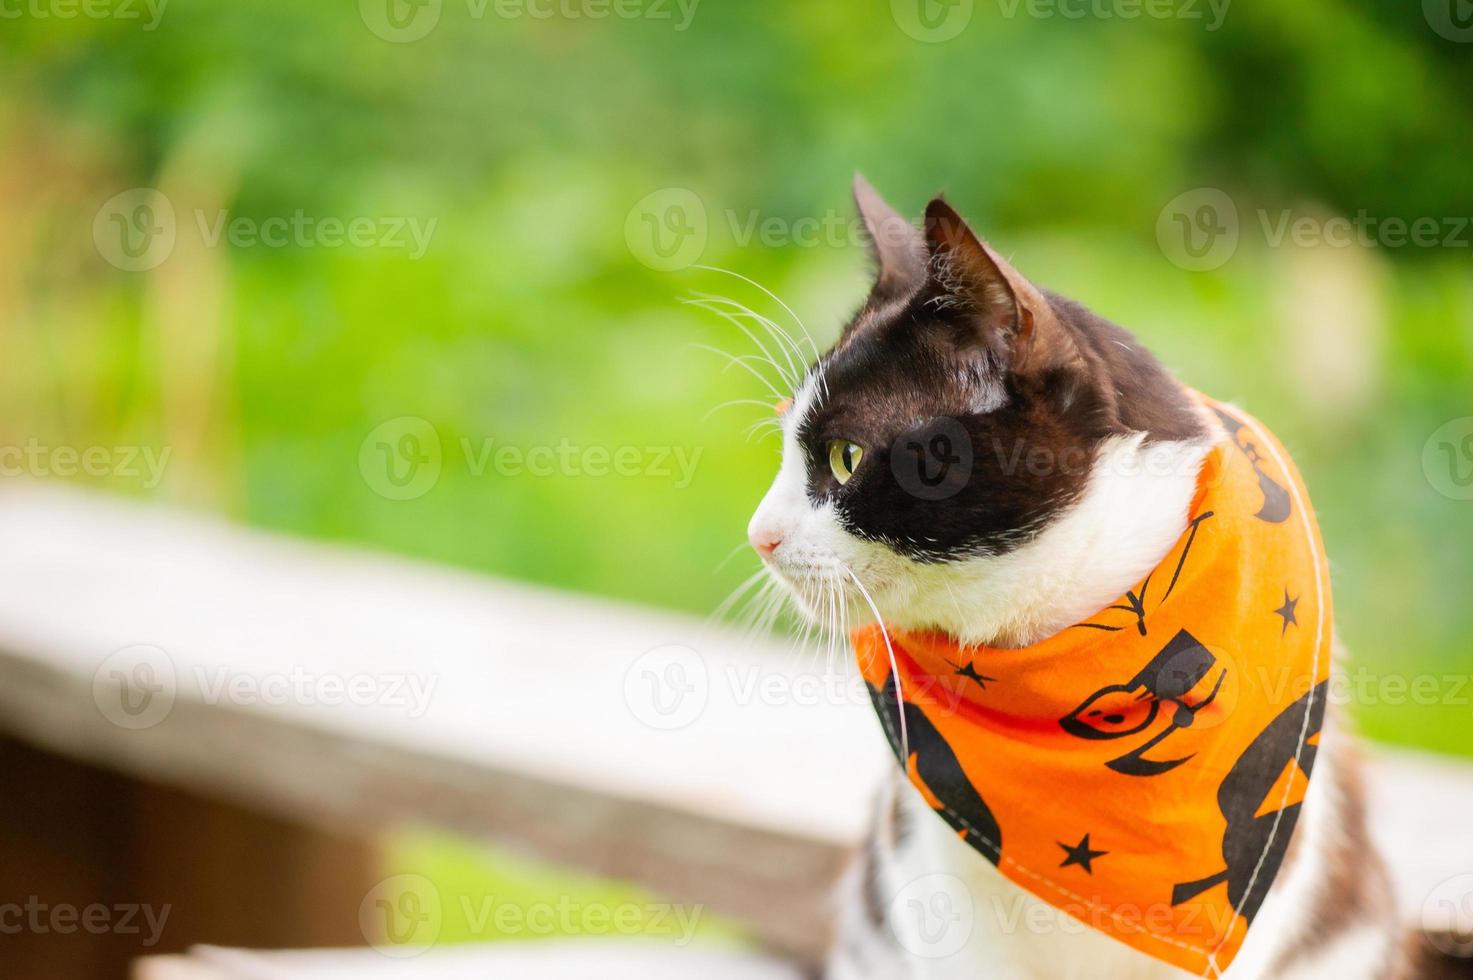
(1004, 556)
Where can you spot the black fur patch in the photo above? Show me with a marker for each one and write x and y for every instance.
(942, 481)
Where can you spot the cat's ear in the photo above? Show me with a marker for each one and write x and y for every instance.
(897, 246)
(1013, 315)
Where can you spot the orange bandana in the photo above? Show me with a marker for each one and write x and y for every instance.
(1143, 770)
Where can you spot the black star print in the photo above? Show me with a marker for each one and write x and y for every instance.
(971, 671)
(1081, 855)
(1286, 612)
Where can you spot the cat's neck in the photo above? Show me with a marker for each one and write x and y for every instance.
(1134, 509)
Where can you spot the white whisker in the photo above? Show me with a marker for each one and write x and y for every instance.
(894, 664)
(736, 594)
(788, 374)
(738, 549)
(773, 296)
(783, 339)
(734, 361)
(764, 426)
(733, 402)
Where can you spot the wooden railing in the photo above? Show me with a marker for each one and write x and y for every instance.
(339, 693)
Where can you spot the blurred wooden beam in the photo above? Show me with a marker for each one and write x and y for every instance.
(549, 960)
(638, 744)
(537, 730)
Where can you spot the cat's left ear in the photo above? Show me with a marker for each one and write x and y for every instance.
(1012, 315)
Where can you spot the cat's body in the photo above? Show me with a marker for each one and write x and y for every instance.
(1011, 554)
(1331, 899)
(1308, 929)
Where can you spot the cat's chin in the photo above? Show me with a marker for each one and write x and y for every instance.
(816, 597)
(828, 597)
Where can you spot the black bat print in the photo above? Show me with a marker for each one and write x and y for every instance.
(1258, 831)
(939, 769)
(1276, 503)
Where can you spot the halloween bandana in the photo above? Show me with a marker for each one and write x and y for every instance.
(1142, 770)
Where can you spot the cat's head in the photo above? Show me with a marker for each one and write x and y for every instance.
(961, 414)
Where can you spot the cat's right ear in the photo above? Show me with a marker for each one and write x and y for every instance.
(1012, 315)
(897, 245)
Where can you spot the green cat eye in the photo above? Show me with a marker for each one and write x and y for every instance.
(843, 458)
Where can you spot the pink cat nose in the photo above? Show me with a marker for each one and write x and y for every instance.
(765, 542)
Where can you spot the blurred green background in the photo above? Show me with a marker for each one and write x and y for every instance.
(536, 315)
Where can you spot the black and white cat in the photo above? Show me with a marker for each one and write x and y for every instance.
(1011, 556)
